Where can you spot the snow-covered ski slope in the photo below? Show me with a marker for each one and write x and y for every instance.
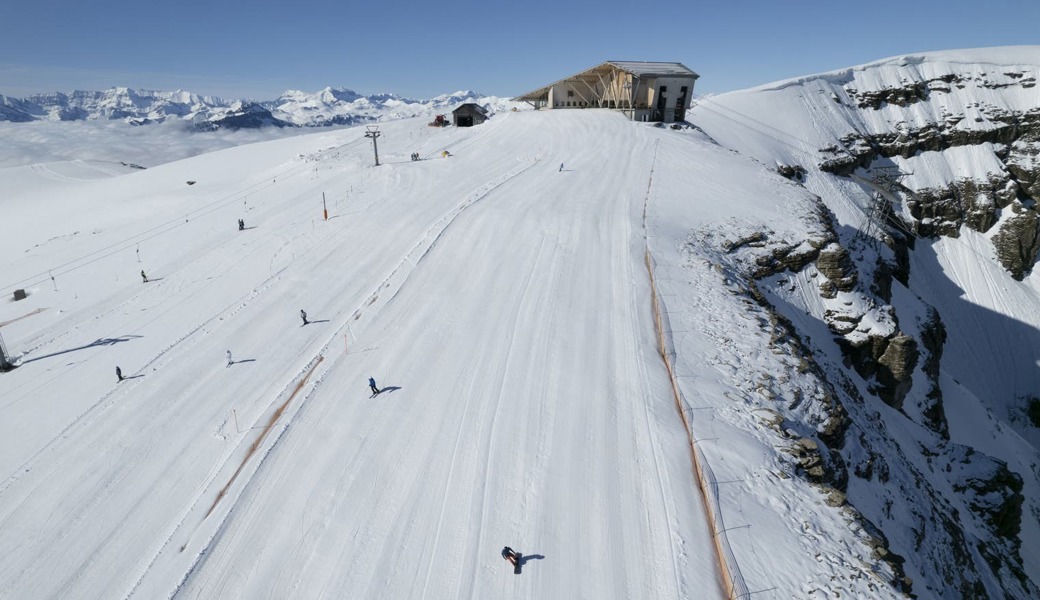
(502, 303)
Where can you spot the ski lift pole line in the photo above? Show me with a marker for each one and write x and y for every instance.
(373, 133)
(147, 234)
(126, 243)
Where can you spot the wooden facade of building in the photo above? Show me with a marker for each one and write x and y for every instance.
(644, 91)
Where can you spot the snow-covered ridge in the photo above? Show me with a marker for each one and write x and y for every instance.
(330, 106)
(999, 58)
(918, 306)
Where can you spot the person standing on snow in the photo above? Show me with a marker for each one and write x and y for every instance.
(303, 316)
(143, 276)
(372, 384)
(229, 361)
(561, 167)
(119, 373)
(510, 555)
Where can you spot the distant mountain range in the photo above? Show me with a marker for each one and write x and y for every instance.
(330, 106)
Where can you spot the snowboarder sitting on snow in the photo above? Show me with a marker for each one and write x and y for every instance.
(143, 276)
(511, 555)
(372, 384)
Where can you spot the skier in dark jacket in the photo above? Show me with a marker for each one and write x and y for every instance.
(303, 316)
(119, 373)
(372, 384)
(143, 276)
(510, 555)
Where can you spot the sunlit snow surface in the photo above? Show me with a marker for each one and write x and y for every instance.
(504, 304)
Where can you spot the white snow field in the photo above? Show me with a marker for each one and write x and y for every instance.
(501, 296)
(503, 304)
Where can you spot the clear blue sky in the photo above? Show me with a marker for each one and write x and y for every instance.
(423, 49)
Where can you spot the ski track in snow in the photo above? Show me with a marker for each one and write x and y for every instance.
(391, 285)
(505, 302)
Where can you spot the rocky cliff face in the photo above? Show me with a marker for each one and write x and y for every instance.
(951, 120)
(854, 458)
(929, 148)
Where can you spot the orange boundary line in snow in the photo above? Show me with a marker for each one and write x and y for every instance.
(702, 484)
(26, 316)
(263, 435)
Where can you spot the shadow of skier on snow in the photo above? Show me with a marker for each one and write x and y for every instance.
(94, 344)
(523, 561)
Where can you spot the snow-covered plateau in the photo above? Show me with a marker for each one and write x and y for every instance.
(788, 349)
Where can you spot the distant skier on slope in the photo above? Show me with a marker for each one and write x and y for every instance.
(229, 361)
(303, 316)
(119, 373)
(561, 167)
(509, 554)
(513, 557)
(143, 276)
(372, 384)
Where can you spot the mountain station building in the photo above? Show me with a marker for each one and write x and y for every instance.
(644, 91)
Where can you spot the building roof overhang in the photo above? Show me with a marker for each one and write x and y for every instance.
(637, 69)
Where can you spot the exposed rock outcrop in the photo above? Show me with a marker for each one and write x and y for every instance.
(834, 263)
(895, 368)
(933, 337)
(1018, 241)
(887, 361)
(1023, 162)
(971, 202)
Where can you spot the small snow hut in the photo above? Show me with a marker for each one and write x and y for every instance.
(469, 114)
